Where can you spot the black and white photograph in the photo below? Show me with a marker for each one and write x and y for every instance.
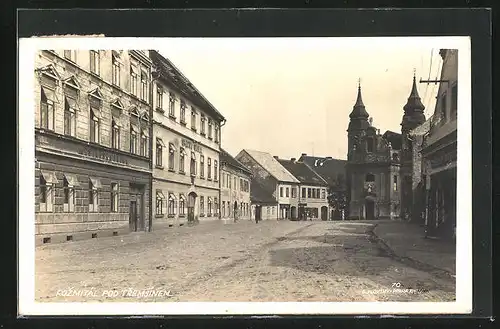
(320, 171)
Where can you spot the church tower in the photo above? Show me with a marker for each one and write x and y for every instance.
(413, 117)
(357, 125)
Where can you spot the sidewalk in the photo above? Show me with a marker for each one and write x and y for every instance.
(407, 240)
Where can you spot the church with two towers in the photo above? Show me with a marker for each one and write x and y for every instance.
(379, 167)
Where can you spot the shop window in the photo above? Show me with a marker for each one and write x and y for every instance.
(182, 205)
(114, 197)
(202, 206)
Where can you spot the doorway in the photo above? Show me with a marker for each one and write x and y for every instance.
(258, 213)
(191, 204)
(132, 217)
(369, 209)
(324, 213)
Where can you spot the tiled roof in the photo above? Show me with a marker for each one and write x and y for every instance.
(227, 158)
(174, 76)
(302, 172)
(328, 168)
(271, 165)
(258, 194)
(394, 138)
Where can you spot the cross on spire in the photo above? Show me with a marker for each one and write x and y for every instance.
(359, 83)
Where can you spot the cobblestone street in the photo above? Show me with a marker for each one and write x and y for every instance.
(244, 261)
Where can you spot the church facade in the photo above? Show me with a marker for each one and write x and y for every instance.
(379, 166)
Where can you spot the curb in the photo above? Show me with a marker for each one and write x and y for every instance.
(388, 251)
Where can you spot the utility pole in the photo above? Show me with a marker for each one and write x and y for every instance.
(434, 81)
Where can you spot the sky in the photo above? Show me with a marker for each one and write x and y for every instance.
(289, 96)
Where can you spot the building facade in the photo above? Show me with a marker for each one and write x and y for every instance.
(263, 203)
(312, 193)
(333, 172)
(186, 132)
(274, 178)
(235, 188)
(92, 147)
(439, 153)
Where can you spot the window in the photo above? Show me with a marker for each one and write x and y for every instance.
(171, 156)
(47, 109)
(229, 180)
(71, 55)
(115, 135)
(183, 112)
(454, 101)
(171, 205)
(182, 205)
(216, 170)
(370, 144)
(209, 169)
(193, 119)
(323, 194)
(116, 72)
(181, 160)
(46, 196)
(216, 206)
(94, 62)
(171, 105)
(395, 183)
(159, 202)
(69, 117)
(202, 206)
(223, 179)
(133, 81)
(94, 185)
(216, 133)
(133, 139)
(318, 193)
(192, 166)
(235, 183)
(202, 166)
(209, 207)
(287, 192)
(210, 129)
(69, 196)
(94, 126)
(159, 152)
(114, 197)
(303, 192)
(202, 125)
(281, 192)
(313, 193)
(144, 86)
(223, 208)
(309, 192)
(144, 144)
(159, 98)
(294, 192)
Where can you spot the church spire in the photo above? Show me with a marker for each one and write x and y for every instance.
(358, 110)
(414, 109)
(414, 102)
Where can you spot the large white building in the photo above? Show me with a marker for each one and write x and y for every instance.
(186, 132)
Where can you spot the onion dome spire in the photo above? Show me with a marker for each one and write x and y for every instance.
(358, 110)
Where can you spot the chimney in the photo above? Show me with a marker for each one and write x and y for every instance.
(276, 157)
(293, 159)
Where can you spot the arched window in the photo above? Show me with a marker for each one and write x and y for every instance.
(370, 178)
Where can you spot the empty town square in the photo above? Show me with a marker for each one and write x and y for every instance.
(242, 261)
